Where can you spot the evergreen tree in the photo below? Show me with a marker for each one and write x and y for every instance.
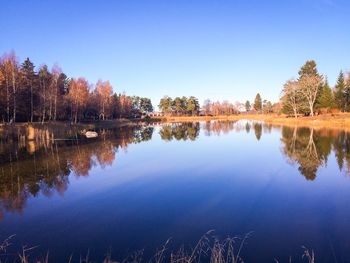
(146, 105)
(193, 105)
(339, 92)
(165, 105)
(309, 69)
(184, 104)
(326, 99)
(29, 89)
(347, 95)
(177, 105)
(247, 106)
(258, 103)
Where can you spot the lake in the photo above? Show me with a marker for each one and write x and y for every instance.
(132, 188)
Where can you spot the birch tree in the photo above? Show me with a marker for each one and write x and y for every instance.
(291, 95)
(309, 88)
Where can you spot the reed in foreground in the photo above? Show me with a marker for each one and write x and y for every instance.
(209, 248)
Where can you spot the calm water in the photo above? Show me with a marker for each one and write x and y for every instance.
(133, 188)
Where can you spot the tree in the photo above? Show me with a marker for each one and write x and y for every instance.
(247, 106)
(339, 92)
(291, 98)
(29, 83)
(104, 92)
(44, 83)
(347, 94)
(309, 88)
(165, 105)
(78, 95)
(10, 73)
(192, 105)
(146, 105)
(308, 69)
(326, 99)
(258, 103)
(124, 105)
(310, 82)
(267, 107)
(56, 72)
(178, 106)
(207, 107)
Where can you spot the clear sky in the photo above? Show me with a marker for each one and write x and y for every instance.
(210, 49)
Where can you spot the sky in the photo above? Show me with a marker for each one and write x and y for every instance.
(222, 50)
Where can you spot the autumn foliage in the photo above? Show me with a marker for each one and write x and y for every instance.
(31, 94)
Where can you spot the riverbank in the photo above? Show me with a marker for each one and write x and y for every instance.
(88, 125)
(339, 120)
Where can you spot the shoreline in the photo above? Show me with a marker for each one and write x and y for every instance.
(328, 121)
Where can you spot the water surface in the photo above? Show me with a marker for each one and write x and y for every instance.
(134, 187)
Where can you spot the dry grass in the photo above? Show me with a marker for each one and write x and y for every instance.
(333, 121)
(209, 248)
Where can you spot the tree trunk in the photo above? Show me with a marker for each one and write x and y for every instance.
(31, 102)
(44, 93)
(8, 101)
(14, 96)
(55, 106)
(295, 113)
(311, 109)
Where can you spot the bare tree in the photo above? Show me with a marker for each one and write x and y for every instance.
(309, 88)
(55, 71)
(291, 95)
(104, 93)
(10, 72)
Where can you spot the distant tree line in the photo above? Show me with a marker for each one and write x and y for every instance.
(179, 106)
(311, 94)
(31, 94)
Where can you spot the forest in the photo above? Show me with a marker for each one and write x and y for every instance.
(311, 94)
(28, 94)
(39, 94)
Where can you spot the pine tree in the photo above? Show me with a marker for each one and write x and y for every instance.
(192, 105)
(326, 99)
(309, 69)
(347, 95)
(165, 105)
(29, 87)
(258, 103)
(247, 106)
(339, 92)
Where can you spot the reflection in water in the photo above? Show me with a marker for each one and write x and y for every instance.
(258, 130)
(28, 168)
(180, 131)
(310, 148)
(44, 167)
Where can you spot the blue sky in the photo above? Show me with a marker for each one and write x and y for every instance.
(211, 49)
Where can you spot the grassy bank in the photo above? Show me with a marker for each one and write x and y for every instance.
(334, 121)
(339, 121)
(85, 124)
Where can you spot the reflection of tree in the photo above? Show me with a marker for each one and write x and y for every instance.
(307, 148)
(182, 131)
(258, 130)
(218, 127)
(27, 171)
(247, 127)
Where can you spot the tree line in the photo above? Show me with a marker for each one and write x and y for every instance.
(32, 94)
(179, 106)
(311, 93)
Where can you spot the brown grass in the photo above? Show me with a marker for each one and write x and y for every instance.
(333, 121)
(209, 248)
